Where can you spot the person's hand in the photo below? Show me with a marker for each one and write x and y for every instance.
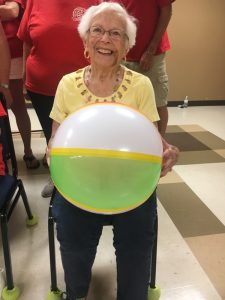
(170, 157)
(8, 97)
(55, 126)
(146, 60)
(47, 154)
(48, 150)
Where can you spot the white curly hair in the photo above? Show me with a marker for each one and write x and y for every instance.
(92, 11)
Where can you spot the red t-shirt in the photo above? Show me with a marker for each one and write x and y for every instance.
(50, 27)
(2, 165)
(147, 14)
(10, 29)
(2, 111)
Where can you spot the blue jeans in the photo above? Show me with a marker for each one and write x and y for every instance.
(78, 233)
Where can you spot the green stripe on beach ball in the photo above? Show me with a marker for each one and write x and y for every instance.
(104, 184)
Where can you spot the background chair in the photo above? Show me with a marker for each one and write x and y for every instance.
(11, 190)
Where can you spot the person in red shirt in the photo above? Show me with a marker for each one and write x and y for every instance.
(5, 66)
(10, 13)
(4, 78)
(148, 54)
(52, 48)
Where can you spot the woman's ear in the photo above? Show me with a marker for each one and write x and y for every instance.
(86, 53)
(127, 48)
(125, 53)
(85, 43)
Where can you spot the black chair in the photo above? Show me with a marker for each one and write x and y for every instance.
(11, 189)
(56, 294)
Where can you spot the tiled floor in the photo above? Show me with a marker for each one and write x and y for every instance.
(191, 259)
(200, 222)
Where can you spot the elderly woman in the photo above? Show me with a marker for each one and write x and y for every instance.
(108, 33)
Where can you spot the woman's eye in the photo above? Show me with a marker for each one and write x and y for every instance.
(97, 30)
(115, 33)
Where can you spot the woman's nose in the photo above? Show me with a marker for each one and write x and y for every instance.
(105, 36)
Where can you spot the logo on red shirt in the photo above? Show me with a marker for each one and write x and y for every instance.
(78, 13)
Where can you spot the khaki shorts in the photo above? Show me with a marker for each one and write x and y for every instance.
(158, 76)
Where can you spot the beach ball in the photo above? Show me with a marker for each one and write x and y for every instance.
(106, 158)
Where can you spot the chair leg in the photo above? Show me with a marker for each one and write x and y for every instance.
(31, 218)
(55, 293)
(154, 256)
(51, 239)
(154, 291)
(6, 251)
(10, 291)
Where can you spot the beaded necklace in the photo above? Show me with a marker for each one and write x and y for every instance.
(82, 81)
(118, 80)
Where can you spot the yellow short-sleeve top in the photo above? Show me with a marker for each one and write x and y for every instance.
(135, 90)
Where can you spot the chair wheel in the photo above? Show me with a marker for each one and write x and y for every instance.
(10, 294)
(154, 293)
(32, 222)
(54, 295)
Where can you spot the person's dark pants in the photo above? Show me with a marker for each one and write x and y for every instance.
(42, 105)
(78, 232)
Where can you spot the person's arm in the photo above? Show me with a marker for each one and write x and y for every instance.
(4, 57)
(163, 21)
(55, 126)
(4, 66)
(9, 11)
(26, 53)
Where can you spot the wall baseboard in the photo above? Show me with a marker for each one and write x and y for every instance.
(197, 103)
(176, 103)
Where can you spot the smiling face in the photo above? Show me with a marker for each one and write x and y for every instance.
(106, 41)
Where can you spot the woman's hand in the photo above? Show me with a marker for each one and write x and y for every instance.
(55, 126)
(8, 97)
(47, 155)
(48, 150)
(170, 157)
